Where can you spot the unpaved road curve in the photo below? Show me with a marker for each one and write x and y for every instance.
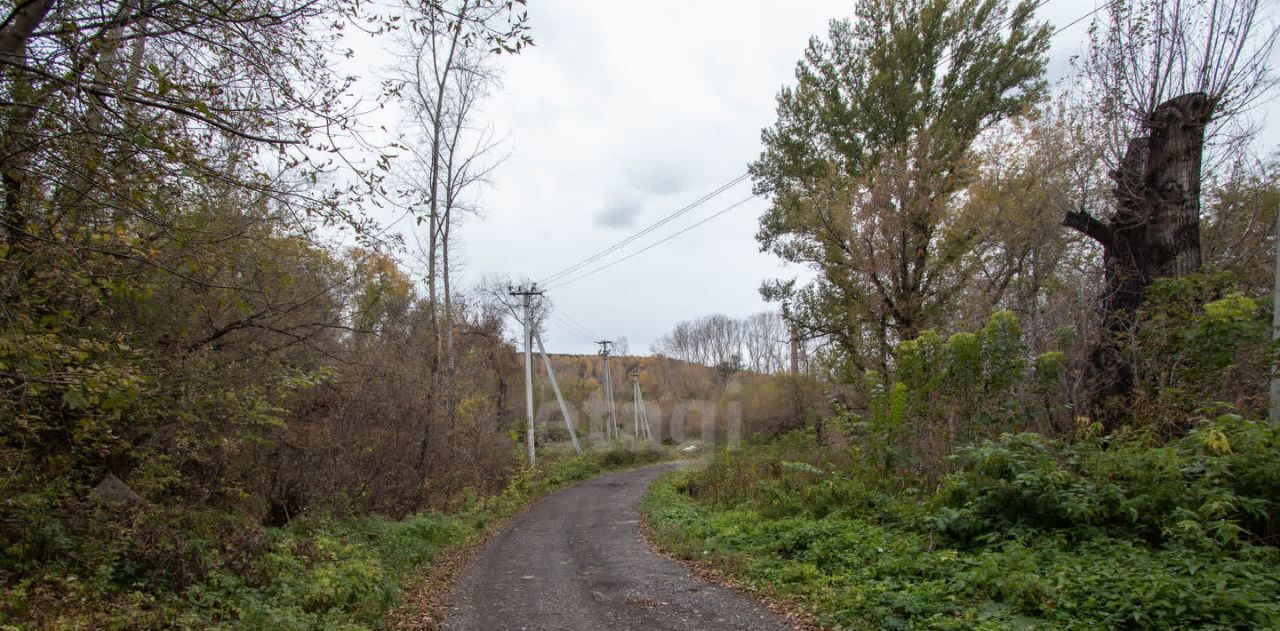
(575, 562)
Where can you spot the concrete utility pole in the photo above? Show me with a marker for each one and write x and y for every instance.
(610, 412)
(635, 400)
(642, 418)
(526, 294)
(564, 409)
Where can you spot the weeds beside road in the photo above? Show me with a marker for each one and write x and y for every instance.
(1029, 533)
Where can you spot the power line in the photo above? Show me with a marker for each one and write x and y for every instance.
(651, 246)
(661, 222)
(1008, 21)
(571, 326)
(568, 320)
(1079, 19)
(556, 281)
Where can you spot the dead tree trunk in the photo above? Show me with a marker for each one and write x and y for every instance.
(1154, 232)
(1172, 179)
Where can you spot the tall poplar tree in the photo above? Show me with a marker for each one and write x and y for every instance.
(871, 153)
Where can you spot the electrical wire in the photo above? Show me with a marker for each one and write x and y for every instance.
(567, 319)
(654, 226)
(650, 246)
(1079, 19)
(1008, 20)
(557, 280)
(570, 325)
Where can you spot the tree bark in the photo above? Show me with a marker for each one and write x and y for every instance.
(435, 103)
(22, 22)
(1172, 180)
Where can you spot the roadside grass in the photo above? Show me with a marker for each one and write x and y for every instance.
(992, 549)
(315, 573)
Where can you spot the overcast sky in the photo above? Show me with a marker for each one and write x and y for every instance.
(625, 112)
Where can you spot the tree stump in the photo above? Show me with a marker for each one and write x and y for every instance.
(1154, 232)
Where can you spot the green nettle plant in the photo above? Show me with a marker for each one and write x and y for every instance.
(1101, 531)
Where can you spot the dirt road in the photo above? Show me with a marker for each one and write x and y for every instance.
(575, 562)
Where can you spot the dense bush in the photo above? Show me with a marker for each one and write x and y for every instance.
(144, 567)
(170, 569)
(949, 392)
(618, 457)
(788, 477)
(1108, 532)
(969, 499)
(1200, 340)
(1218, 486)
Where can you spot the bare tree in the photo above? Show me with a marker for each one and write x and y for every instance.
(1168, 77)
(714, 340)
(724, 339)
(1146, 52)
(766, 339)
(445, 74)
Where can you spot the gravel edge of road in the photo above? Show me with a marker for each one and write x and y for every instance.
(706, 571)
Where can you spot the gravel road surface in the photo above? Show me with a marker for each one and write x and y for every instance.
(575, 562)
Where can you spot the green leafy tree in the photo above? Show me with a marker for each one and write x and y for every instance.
(871, 149)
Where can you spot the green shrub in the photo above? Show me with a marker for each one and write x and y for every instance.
(1199, 340)
(629, 456)
(1110, 532)
(148, 567)
(1218, 486)
(790, 477)
(945, 392)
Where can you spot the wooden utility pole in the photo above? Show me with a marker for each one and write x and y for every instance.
(526, 294)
